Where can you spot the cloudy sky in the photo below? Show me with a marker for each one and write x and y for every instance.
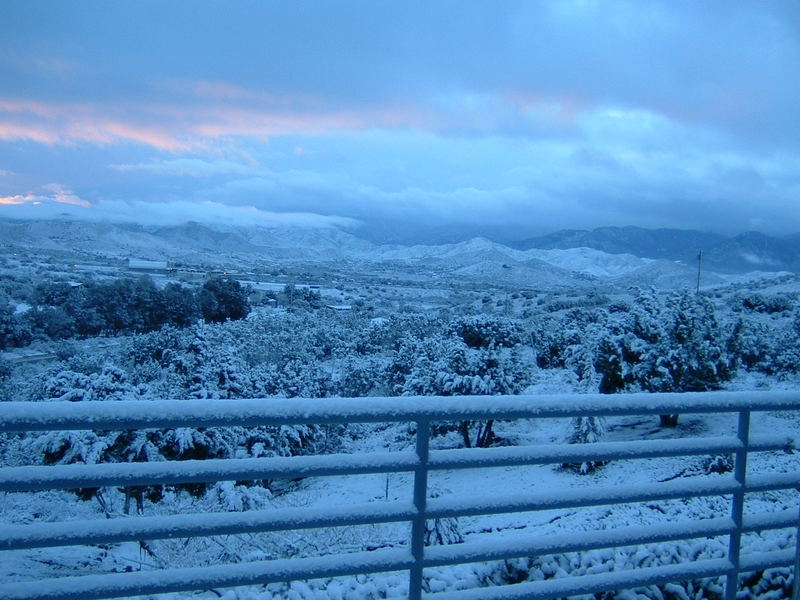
(404, 119)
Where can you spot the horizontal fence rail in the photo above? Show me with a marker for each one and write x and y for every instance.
(156, 414)
(419, 508)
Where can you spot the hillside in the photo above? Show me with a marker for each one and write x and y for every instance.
(616, 256)
(745, 252)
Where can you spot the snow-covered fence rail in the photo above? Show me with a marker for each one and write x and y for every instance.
(17, 417)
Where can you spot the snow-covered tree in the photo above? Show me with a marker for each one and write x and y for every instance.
(364, 376)
(223, 298)
(482, 331)
(787, 348)
(447, 366)
(690, 356)
(672, 345)
(586, 429)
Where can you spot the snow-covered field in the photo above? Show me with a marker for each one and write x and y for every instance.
(461, 319)
(327, 492)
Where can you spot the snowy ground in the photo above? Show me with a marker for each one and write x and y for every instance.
(332, 491)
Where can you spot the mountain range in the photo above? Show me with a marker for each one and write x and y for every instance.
(749, 251)
(574, 258)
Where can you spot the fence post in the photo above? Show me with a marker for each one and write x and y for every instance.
(796, 586)
(737, 509)
(420, 501)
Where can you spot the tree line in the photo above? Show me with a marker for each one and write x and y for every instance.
(61, 310)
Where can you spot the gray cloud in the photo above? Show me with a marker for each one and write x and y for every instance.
(711, 62)
(520, 116)
(187, 167)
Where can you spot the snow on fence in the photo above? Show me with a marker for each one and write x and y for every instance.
(18, 417)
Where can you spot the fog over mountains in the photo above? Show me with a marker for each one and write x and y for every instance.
(742, 253)
(624, 255)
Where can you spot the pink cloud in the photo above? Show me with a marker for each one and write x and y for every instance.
(13, 131)
(69, 124)
(19, 199)
(58, 193)
(195, 115)
(63, 196)
(211, 110)
(179, 127)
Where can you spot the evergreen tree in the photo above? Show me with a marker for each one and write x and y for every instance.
(446, 366)
(14, 331)
(585, 429)
(690, 356)
(222, 299)
(787, 348)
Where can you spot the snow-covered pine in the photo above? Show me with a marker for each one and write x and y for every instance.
(447, 366)
(585, 429)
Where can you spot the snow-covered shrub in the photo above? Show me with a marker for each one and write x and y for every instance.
(585, 430)
(223, 298)
(767, 304)
(483, 331)
(749, 345)
(306, 379)
(6, 384)
(237, 497)
(787, 349)
(111, 383)
(665, 345)
(695, 359)
(440, 532)
(720, 463)
(5, 369)
(364, 376)
(772, 583)
(15, 330)
(446, 366)
(193, 363)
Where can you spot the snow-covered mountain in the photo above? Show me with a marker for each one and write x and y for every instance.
(592, 262)
(189, 241)
(83, 238)
(742, 253)
(575, 266)
(476, 259)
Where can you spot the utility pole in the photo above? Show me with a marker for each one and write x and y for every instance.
(699, 263)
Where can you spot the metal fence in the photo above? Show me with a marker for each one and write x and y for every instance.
(415, 557)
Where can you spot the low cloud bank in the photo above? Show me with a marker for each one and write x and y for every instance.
(34, 206)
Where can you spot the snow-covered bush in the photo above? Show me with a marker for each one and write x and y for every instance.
(768, 304)
(446, 366)
(772, 583)
(364, 376)
(223, 298)
(719, 463)
(482, 331)
(665, 345)
(441, 532)
(585, 430)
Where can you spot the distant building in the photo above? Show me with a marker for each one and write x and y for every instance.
(339, 306)
(147, 266)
